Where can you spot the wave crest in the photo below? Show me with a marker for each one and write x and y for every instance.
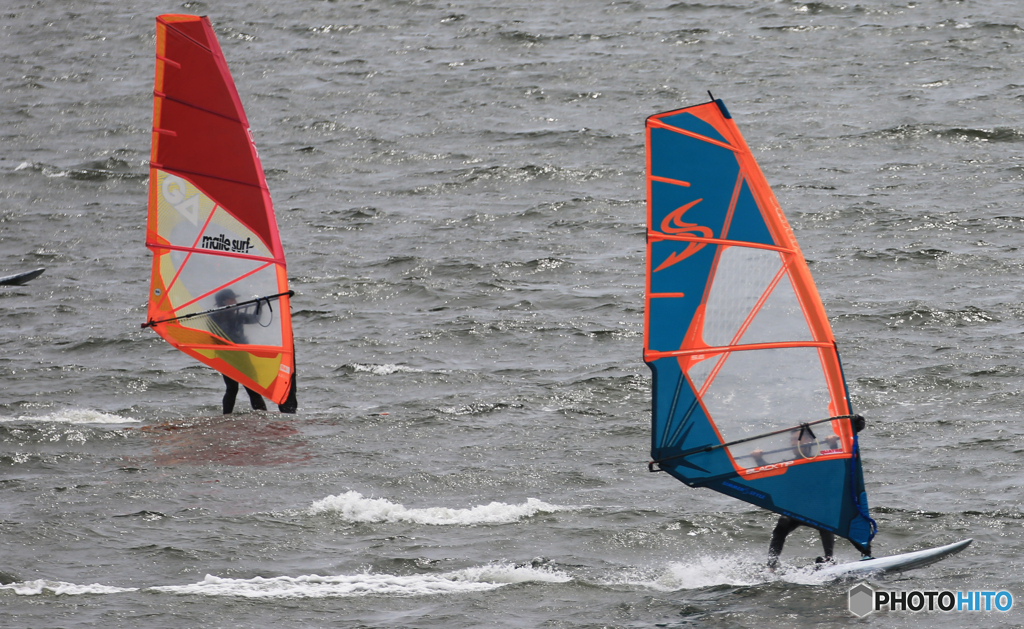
(74, 416)
(42, 586)
(354, 507)
(477, 579)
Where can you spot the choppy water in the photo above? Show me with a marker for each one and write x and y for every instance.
(459, 187)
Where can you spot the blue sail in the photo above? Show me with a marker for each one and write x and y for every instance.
(749, 397)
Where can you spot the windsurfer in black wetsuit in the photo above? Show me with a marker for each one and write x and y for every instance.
(787, 525)
(232, 322)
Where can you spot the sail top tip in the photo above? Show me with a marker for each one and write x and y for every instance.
(721, 107)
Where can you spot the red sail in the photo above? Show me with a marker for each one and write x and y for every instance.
(211, 223)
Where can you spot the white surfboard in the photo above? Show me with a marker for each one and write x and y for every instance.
(895, 563)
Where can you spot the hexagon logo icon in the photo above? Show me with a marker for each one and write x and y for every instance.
(861, 598)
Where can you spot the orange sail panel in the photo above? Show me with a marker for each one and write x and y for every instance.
(219, 285)
(749, 397)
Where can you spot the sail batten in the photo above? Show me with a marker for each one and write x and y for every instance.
(742, 355)
(695, 136)
(655, 236)
(211, 224)
(195, 107)
(184, 171)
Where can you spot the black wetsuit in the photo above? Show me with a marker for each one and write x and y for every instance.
(786, 526)
(232, 323)
(290, 405)
(232, 391)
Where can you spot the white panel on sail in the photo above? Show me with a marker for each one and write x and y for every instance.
(742, 276)
(700, 371)
(182, 209)
(763, 390)
(780, 319)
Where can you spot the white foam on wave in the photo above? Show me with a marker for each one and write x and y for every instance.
(74, 416)
(477, 579)
(42, 586)
(384, 370)
(354, 507)
(697, 573)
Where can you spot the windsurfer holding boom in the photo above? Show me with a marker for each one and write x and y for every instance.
(232, 322)
(786, 524)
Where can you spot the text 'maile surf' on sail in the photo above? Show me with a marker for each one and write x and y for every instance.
(219, 286)
(749, 397)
